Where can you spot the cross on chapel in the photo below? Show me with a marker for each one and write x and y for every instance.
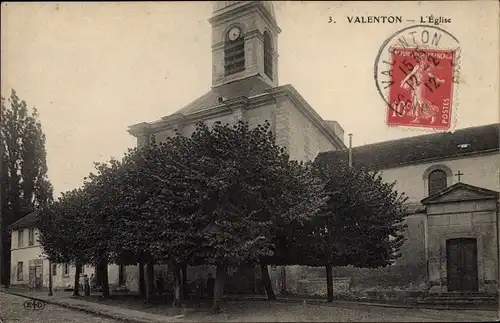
(458, 174)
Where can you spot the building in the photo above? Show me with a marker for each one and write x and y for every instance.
(245, 87)
(451, 179)
(30, 267)
(452, 182)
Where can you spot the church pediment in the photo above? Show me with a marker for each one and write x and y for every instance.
(460, 192)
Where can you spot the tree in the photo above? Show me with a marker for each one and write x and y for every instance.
(303, 196)
(62, 231)
(235, 184)
(24, 182)
(361, 225)
(104, 195)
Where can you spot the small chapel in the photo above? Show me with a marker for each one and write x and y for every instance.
(452, 179)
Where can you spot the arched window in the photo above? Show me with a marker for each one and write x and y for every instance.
(268, 55)
(437, 181)
(234, 52)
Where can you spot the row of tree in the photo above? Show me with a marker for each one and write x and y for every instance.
(226, 196)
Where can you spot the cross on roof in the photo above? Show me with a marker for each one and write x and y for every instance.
(458, 174)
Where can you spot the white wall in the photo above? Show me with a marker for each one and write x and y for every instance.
(27, 253)
(481, 171)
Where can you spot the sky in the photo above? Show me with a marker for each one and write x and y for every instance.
(93, 69)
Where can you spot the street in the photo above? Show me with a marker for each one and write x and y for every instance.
(13, 311)
(241, 311)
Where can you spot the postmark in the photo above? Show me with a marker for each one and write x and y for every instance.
(417, 72)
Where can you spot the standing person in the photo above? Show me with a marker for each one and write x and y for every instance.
(86, 285)
(210, 285)
(92, 282)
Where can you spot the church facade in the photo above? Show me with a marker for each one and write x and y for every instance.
(245, 87)
(452, 182)
(451, 179)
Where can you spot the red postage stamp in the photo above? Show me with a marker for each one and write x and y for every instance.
(417, 74)
(422, 89)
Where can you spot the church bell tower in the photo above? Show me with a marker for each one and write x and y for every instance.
(244, 42)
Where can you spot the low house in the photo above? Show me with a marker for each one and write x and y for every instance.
(29, 264)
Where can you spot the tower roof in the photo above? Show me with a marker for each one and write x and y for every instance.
(221, 6)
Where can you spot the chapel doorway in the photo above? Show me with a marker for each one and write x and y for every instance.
(462, 265)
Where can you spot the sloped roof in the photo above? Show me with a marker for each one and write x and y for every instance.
(415, 208)
(422, 148)
(246, 87)
(475, 192)
(25, 222)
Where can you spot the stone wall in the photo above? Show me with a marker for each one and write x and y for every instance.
(408, 272)
(295, 131)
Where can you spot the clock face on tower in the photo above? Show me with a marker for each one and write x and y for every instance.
(234, 33)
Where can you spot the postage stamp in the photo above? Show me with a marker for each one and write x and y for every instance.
(417, 75)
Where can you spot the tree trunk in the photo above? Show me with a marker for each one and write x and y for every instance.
(151, 280)
(266, 280)
(5, 257)
(329, 282)
(184, 282)
(178, 285)
(50, 278)
(76, 289)
(142, 282)
(105, 279)
(220, 277)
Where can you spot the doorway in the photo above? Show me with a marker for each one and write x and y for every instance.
(462, 265)
(121, 275)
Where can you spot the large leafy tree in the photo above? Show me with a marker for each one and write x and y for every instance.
(240, 185)
(151, 190)
(104, 195)
(63, 234)
(24, 183)
(361, 225)
(303, 198)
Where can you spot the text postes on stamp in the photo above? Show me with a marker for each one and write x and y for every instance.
(416, 74)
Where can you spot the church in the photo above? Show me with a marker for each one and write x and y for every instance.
(452, 179)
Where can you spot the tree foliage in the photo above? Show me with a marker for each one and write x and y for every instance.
(226, 196)
(362, 223)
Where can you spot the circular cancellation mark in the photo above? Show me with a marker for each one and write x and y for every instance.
(416, 73)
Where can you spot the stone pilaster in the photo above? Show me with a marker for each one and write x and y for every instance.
(142, 131)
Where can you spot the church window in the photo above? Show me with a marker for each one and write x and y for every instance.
(234, 55)
(268, 55)
(437, 181)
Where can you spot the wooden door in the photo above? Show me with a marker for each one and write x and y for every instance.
(39, 273)
(462, 264)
